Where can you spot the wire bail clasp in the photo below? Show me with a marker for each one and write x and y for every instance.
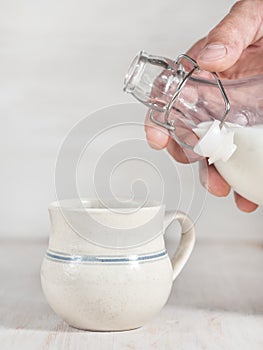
(139, 81)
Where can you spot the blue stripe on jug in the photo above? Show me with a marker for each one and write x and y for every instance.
(50, 254)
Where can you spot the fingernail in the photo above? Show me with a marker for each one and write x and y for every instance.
(212, 52)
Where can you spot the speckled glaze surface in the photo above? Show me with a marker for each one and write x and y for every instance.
(100, 288)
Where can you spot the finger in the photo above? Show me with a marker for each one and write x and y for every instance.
(177, 152)
(194, 51)
(157, 136)
(244, 204)
(212, 180)
(226, 42)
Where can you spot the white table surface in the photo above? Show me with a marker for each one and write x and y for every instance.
(216, 303)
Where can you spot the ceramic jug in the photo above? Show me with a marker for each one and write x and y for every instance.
(107, 269)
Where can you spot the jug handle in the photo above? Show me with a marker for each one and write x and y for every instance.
(187, 240)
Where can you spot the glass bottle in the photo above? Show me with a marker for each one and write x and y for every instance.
(188, 101)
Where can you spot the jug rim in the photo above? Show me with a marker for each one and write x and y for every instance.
(96, 205)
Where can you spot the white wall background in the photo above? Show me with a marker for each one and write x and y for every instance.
(61, 60)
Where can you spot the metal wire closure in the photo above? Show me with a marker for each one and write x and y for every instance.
(169, 125)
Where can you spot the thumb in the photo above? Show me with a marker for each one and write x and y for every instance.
(226, 42)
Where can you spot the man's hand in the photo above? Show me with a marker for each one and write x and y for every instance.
(233, 49)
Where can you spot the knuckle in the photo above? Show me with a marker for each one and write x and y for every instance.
(247, 5)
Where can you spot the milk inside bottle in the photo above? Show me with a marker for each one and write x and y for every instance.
(243, 170)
